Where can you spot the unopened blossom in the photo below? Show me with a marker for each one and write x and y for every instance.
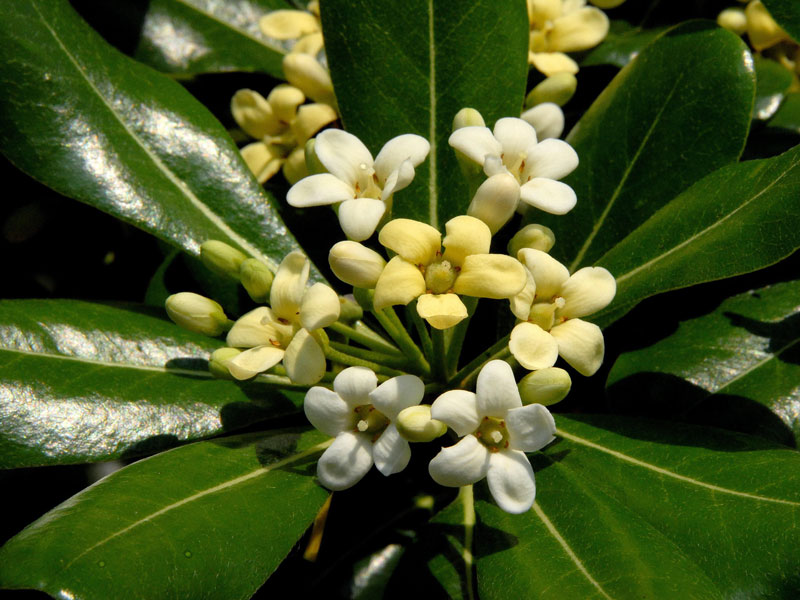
(561, 26)
(300, 26)
(558, 88)
(362, 187)
(284, 331)
(496, 431)
(197, 313)
(512, 147)
(282, 124)
(361, 415)
(436, 277)
(550, 308)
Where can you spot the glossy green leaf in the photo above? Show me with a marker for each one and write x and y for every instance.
(88, 382)
(622, 44)
(737, 367)
(100, 127)
(788, 115)
(630, 508)
(772, 82)
(209, 520)
(787, 14)
(450, 559)
(676, 113)
(208, 36)
(408, 67)
(741, 218)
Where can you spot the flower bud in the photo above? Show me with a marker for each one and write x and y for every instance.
(217, 362)
(547, 119)
(606, 4)
(495, 201)
(545, 386)
(733, 19)
(558, 88)
(356, 264)
(221, 258)
(304, 72)
(253, 113)
(762, 29)
(350, 310)
(416, 425)
(256, 278)
(536, 237)
(197, 313)
(313, 164)
(468, 117)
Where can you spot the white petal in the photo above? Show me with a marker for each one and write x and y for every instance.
(588, 290)
(304, 360)
(550, 196)
(320, 189)
(548, 273)
(496, 389)
(458, 409)
(354, 385)
(462, 464)
(327, 412)
(533, 347)
(289, 286)
(398, 179)
(552, 159)
(359, 217)
(511, 481)
(547, 119)
(581, 344)
(320, 307)
(475, 143)
(255, 328)
(343, 154)
(397, 393)
(579, 30)
(515, 135)
(345, 461)
(391, 452)
(254, 361)
(530, 427)
(521, 303)
(409, 147)
(495, 201)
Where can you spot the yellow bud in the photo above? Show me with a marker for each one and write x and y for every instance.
(304, 72)
(545, 386)
(256, 279)
(536, 237)
(557, 88)
(416, 425)
(218, 361)
(468, 117)
(197, 313)
(733, 19)
(221, 258)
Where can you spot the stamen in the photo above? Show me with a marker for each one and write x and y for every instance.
(362, 425)
(275, 343)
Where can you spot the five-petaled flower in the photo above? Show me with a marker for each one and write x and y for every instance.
(496, 430)
(361, 415)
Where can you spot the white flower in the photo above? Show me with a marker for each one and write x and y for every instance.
(361, 415)
(496, 432)
(363, 186)
(512, 147)
(284, 332)
(549, 306)
(546, 118)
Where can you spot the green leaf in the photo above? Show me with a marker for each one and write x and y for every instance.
(408, 67)
(630, 508)
(452, 546)
(772, 82)
(100, 127)
(187, 37)
(676, 113)
(788, 115)
(736, 367)
(717, 228)
(87, 382)
(209, 520)
(623, 43)
(787, 14)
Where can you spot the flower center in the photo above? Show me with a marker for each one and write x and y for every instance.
(367, 184)
(515, 163)
(493, 434)
(369, 419)
(440, 277)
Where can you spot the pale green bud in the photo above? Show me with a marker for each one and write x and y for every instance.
(313, 164)
(217, 363)
(416, 425)
(221, 258)
(536, 237)
(468, 117)
(606, 4)
(733, 19)
(545, 386)
(350, 310)
(557, 88)
(197, 313)
(256, 278)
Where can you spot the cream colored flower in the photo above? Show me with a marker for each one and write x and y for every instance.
(421, 270)
(285, 331)
(283, 124)
(560, 26)
(299, 25)
(549, 308)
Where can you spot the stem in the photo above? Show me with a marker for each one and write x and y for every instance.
(279, 381)
(362, 334)
(397, 331)
(469, 372)
(438, 360)
(468, 502)
(457, 336)
(390, 360)
(422, 331)
(354, 361)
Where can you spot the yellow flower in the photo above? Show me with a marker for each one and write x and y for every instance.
(299, 25)
(421, 270)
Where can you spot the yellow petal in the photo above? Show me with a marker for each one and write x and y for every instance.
(310, 44)
(262, 163)
(551, 63)
(415, 241)
(399, 283)
(465, 235)
(762, 29)
(310, 119)
(294, 167)
(441, 310)
(540, 11)
(548, 273)
(581, 344)
(304, 72)
(284, 100)
(289, 285)
(533, 347)
(254, 114)
(579, 30)
(588, 290)
(254, 361)
(288, 24)
(304, 359)
(320, 307)
(490, 276)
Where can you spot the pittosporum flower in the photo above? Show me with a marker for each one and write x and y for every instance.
(299, 25)
(361, 415)
(549, 308)
(546, 118)
(285, 332)
(363, 186)
(496, 430)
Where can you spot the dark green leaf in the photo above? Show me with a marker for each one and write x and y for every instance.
(87, 382)
(98, 126)
(209, 520)
(736, 367)
(408, 67)
(787, 14)
(788, 115)
(630, 508)
(676, 113)
(772, 82)
(741, 218)
(205, 36)
(451, 560)
(622, 44)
